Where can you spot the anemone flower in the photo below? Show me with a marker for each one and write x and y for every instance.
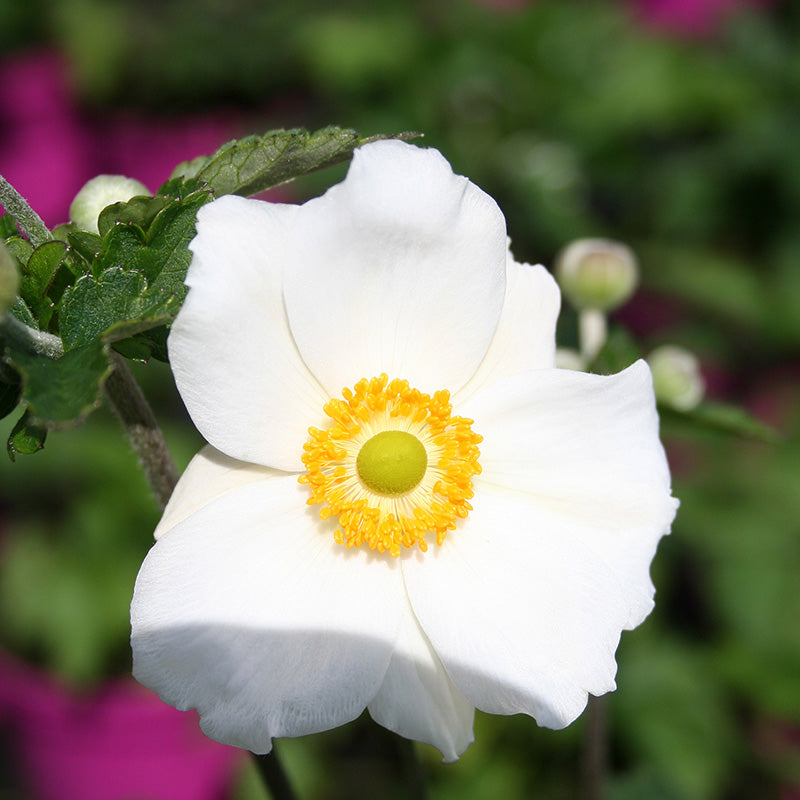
(403, 506)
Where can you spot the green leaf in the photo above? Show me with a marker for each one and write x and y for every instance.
(113, 306)
(8, 226)
(140, 211)
(19, 310)
(59, 393)
(720, 418)
(20, 248)
(166, 257)
(38, 280)
(26, 438)
(251, 165)
(137, 281)
(87, 245)
(10, 389)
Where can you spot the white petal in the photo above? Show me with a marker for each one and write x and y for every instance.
(399, 269)
(523, 616)
(525, 338)
(585, 447)
(418, 700)
(235, 362)
(210, 474)
(249, 612)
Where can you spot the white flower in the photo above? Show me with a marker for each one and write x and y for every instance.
(501, 581)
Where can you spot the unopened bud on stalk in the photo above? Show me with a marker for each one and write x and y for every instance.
(597, 274)
(100, 192)
(677, 380)
(9, 279)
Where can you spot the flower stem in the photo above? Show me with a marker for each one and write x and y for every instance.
(592, 333)
(40, 343)
(137, 418)
(416, 780)
(28, 219)
(595, 750)
(274, 776)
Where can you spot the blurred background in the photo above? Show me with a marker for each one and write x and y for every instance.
(671, 125)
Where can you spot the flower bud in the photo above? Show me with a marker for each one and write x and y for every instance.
(677, 380)
(9, 279)
(597, 273)
(100, 192)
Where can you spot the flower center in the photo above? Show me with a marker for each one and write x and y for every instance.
(392, 462)
(393, 466)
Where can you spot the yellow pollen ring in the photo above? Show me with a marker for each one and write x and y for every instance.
(393, 465)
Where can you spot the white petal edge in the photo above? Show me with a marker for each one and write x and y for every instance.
(524, 617)
(249, 612)
(418, 700)
(525, 338)
(399, 269)
(235, 363)
(585, 447)
(209, 475)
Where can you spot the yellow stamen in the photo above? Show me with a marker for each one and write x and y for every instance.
(391, 518)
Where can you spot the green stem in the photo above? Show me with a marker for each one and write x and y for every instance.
(131, 408)
(40, 343)
(595, 750)
(146, 437)
(416, 780)
(592, 333)
(274, 776)
(28, 219)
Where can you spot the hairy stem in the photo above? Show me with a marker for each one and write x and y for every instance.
(134, 413)
(28, 219)
(29, 339)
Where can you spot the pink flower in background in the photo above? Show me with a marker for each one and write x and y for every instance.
(48, 150)
(691, 17)
(116, 743)
(44, 151)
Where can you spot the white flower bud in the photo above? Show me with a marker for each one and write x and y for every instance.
(99, 192)
(9, 279)
(597, 273)
(677, 380)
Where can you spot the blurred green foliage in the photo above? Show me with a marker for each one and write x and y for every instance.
(581, 123)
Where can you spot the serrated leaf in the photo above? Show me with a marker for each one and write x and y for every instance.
(121, 248)
(251, 165)
(87, 245)
(179, 187)
(148, 344)
(185, 172)
(140, 211)
(38, 278)
(60, 392)
(20, 248)
(8, 226)
(721, 418)
(19, 310)
(115, 305)
(166, 258)
(26, 438)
